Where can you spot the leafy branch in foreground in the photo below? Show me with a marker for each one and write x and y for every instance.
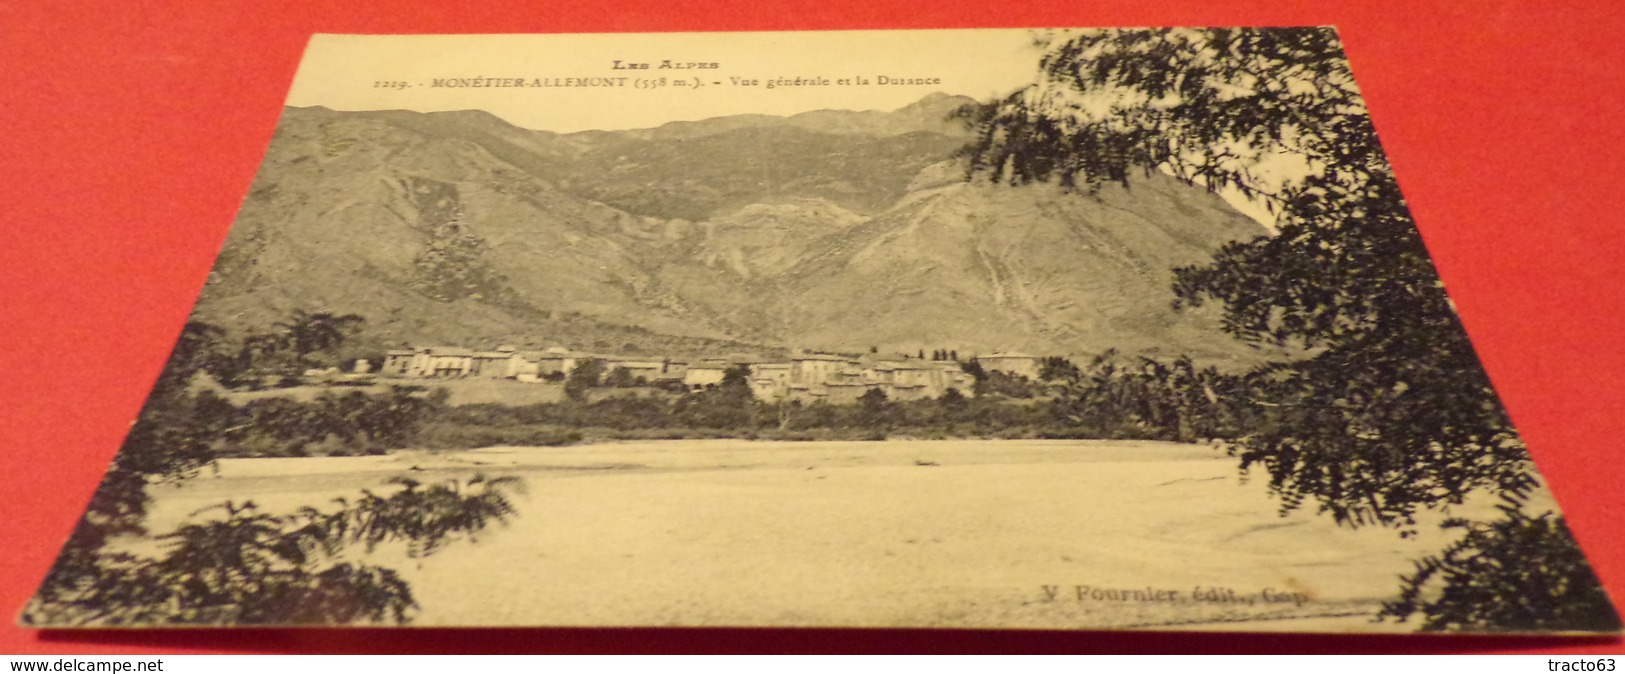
(1398, 414)
(1516, 574)
(251, 567)
(1390, 412)
(255, 568)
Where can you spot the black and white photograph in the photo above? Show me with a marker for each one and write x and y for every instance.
(1072, 329)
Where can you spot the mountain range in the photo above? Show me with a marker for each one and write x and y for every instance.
(832, 230)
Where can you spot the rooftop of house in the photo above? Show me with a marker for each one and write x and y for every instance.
(849, 366)
(821, 356)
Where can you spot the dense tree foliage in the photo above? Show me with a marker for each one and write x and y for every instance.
(1114, 397)
(351, 423)
(719, 412)
(282, 353)
(305, 333)
(583, 377)
(1390, 412)
(1146, 398)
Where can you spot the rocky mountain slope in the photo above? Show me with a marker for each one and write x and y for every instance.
(830, 230)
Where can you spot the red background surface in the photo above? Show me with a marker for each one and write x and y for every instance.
(129, 133)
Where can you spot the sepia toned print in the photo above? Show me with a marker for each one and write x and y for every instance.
(1078, 329)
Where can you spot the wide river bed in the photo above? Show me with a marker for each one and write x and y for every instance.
(985, 533)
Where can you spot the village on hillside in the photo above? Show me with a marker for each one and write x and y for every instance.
(802, 377)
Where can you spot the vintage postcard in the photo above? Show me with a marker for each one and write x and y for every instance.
(1061, 329)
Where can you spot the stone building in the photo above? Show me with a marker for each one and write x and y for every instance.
(804, 377)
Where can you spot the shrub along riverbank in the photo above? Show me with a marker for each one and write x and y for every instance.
(1148, 401)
